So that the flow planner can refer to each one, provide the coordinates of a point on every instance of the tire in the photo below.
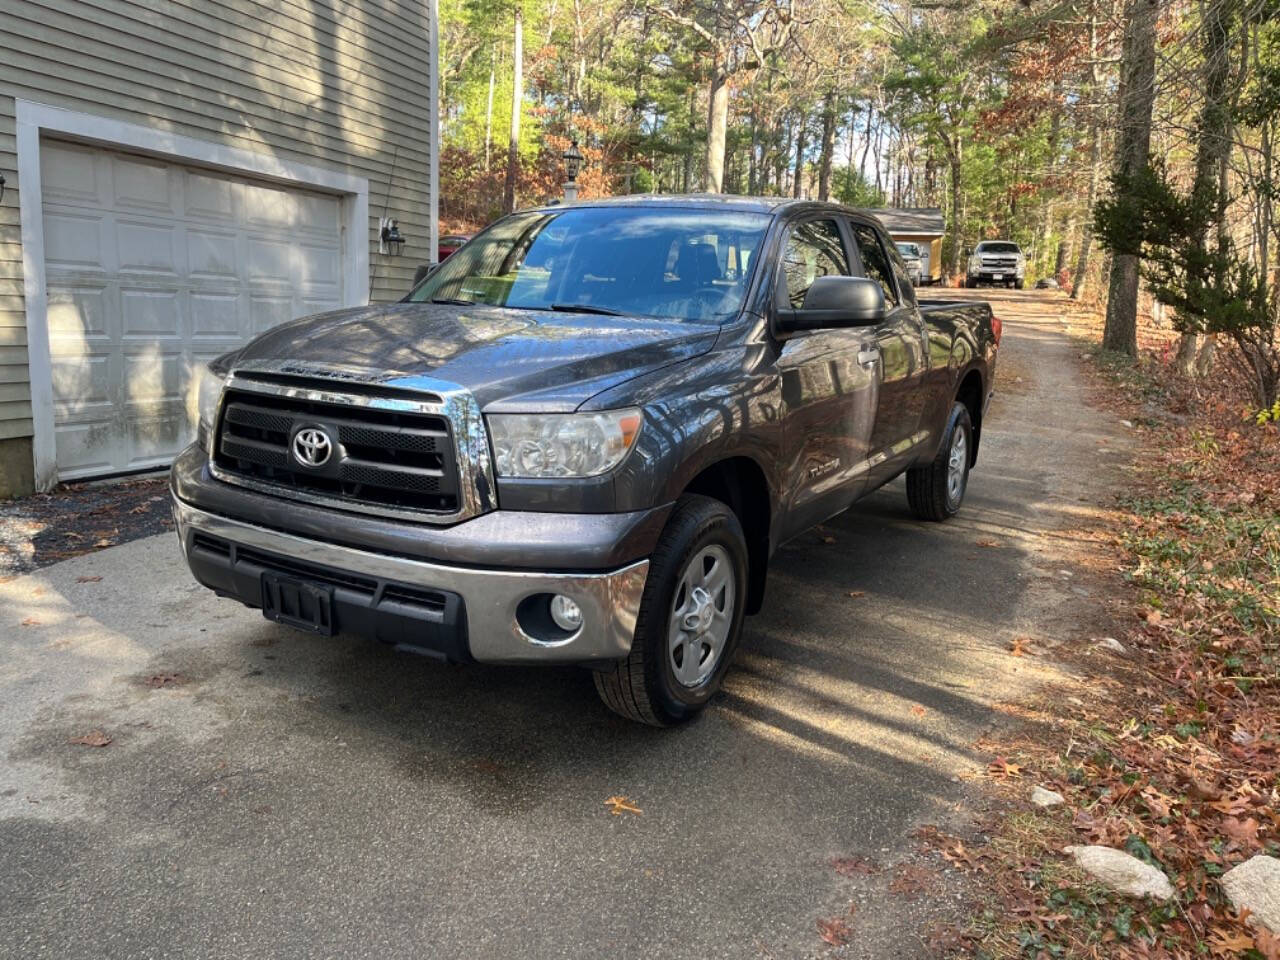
(1018, 284)
(931, 494)
(658, 683)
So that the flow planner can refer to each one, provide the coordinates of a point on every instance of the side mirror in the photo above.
(833, 302)
(420, 274)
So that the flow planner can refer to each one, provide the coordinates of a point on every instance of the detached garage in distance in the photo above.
(923, 226)
(202, 175)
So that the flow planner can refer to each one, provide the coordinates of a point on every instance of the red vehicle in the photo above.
(449, 245)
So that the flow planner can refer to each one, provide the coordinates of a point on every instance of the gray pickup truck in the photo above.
(582, 437)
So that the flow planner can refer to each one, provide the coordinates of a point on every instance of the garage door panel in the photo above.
(149, 314)
(140, 184)
(209, 199)
(266, 312)
(152, 268)
(211, 255)
(84, 449)
(83, 386)
(75, 241)
(76, 314)
(153, 439)
(215, 315)
(72, 175)
(147, 247)
(152, 377)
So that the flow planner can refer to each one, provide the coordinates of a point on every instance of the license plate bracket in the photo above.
(298, 603)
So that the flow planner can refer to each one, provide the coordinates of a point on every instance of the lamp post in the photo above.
(572, 166)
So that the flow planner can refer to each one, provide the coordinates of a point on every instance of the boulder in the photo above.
(1255, 886)
(1043, 797)
(1123, 873)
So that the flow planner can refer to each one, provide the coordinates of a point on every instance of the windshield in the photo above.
(909, 250)
(1000, 246)
(643, 262)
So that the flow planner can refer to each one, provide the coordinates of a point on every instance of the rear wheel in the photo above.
(935, 491)
(690, 618)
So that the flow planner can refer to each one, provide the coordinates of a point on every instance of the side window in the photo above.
(875, 261)
(813, 250)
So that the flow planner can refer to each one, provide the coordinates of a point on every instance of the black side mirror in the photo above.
(420, 274)
(837, 302)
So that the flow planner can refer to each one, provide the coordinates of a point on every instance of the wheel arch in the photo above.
(740, 483)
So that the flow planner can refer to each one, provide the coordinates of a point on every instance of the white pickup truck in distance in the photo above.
(996, 261)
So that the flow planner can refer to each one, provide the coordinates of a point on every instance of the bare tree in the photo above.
(517, 95)
(739, 35)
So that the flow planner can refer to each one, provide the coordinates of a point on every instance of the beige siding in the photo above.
(334, 83)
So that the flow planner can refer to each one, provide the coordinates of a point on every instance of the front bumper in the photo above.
(471, 612)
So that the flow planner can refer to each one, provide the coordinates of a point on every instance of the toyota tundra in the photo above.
(582, 437)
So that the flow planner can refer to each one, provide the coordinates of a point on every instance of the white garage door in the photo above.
(153, 267)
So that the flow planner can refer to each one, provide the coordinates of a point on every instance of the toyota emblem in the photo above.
(312, 447)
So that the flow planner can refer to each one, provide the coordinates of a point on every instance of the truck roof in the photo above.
(704, 201)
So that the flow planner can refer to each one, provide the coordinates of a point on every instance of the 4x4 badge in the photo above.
(312, 447)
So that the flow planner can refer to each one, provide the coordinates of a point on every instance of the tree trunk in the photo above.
(717, 125)
(517, 95)
(797, 184)
(866, 144)
(488, 113)
(1213, 148)
(1095, 163)
(828, 147)
(955, 157)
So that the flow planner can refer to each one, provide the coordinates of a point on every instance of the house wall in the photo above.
(327, 83)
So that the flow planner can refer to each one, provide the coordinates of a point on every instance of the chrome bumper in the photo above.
(610, 601)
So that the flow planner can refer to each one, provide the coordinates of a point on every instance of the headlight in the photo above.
(975, 263)
(202, 402)
(561, 444)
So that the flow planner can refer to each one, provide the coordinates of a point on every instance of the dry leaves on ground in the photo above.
(618, 805)
(94, 738)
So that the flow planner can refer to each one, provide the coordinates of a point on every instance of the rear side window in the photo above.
(813, 250)
(875, 261)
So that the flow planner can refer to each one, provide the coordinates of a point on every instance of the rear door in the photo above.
(902, 364)
(828, 394)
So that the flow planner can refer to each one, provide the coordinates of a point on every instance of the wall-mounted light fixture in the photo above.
(390, 240)
(572, 167)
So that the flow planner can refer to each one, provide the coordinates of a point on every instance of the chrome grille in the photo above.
(390, 458)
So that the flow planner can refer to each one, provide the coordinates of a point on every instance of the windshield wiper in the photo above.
(455, 301)
(586, 308)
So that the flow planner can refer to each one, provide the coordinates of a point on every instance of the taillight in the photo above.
(997, 328)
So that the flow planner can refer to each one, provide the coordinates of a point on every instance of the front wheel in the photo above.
(935, 491)
(1017, 284)
(690, 618)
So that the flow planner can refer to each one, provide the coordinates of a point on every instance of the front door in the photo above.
(902, 363)
(828, 387)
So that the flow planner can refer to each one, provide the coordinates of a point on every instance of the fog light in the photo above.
(566, 614)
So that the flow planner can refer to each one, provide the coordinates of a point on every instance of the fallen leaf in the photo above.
(834, 930)
(158, 680)
(1019, 646)
(918, 710)
(853, 866)
(94, 738)
(617, 805)
(30, 622)
(995, 544)
(910, 881)
(88, 579)
(1003, 768)
(104, 542)
(857, 593)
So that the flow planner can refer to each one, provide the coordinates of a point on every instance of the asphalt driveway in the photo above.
(271, 794)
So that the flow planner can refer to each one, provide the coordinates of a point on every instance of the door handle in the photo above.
(868, 358)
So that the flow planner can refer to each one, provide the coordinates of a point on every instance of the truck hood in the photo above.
(509, 359)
